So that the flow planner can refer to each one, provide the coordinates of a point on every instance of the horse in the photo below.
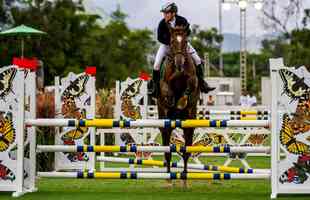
(179, 91)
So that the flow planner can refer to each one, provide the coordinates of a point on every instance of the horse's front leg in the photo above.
(188, 136)
(165, 135)
(192, 85)
(167, 94)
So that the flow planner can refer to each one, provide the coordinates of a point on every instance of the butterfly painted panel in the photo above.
(6, 82)
(294, 169)
(131, 100)
(7, 132)
(129, 106)
(11, 80)
(75, 103)
(288, 140)
(76, 87)
(6, 174)
(299, 172)
(294, 86)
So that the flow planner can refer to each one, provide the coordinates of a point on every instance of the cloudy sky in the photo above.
(145, 13)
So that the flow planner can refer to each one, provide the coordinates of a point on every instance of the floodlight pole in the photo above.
(221, 64)
(243, 50)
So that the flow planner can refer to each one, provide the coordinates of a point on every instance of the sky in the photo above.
(145, 14)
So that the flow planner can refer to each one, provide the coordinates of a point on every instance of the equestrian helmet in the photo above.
(169, 7)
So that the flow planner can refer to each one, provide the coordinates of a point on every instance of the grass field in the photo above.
(91, 189)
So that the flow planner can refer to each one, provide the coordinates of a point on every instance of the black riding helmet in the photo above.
(169, 7)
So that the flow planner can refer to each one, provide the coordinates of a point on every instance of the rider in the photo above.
(169, 11)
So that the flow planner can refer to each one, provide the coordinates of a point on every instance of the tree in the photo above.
(298, 51)
(295, 50)
(207, 41)
(123, 51)
(75, 40)
(67, 30)
(6, 18)
(306, 19)
(280, 15)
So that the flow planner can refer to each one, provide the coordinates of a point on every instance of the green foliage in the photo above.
(206, 41)
(297, 53)
(231, 66)
(75, 40)
(295, 49)
(306, 18)
(124, 51)
(261, 66)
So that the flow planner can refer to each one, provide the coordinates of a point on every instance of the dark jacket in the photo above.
(163, 34)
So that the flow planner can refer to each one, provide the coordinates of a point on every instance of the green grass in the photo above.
(91, 189)
(138, 189)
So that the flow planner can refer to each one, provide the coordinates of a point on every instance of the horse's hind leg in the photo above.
(188, 136)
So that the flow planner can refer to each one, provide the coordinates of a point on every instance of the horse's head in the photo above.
(178, 46)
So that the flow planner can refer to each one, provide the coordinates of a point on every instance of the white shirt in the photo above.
(252, 101)
(244, 100)
(172, 23)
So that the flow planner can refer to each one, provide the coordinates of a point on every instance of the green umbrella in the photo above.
(22, 31)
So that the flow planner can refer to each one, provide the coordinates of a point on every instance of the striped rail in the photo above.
(159, 163)
(167, 149)
(135, 175)
(164, 123)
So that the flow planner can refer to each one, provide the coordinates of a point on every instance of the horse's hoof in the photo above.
(186, 185)
(171, 102)
(168, 184)
(182, 103)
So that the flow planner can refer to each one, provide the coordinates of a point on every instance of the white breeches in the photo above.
(164, 50)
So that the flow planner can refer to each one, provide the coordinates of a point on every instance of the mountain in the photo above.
(232, 43)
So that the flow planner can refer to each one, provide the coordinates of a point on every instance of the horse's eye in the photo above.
(179, 38)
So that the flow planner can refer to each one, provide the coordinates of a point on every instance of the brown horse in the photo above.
(179, 91)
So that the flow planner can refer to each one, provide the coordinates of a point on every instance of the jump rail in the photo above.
(134, 148)
(135, 175)
(164, 123)
(181, 165)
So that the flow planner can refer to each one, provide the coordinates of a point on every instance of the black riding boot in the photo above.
(203, 85)
(153, 85)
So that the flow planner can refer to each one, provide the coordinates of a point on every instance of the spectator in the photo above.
(40, 76)
(244, 99)
(210, 101)
(252, 101)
